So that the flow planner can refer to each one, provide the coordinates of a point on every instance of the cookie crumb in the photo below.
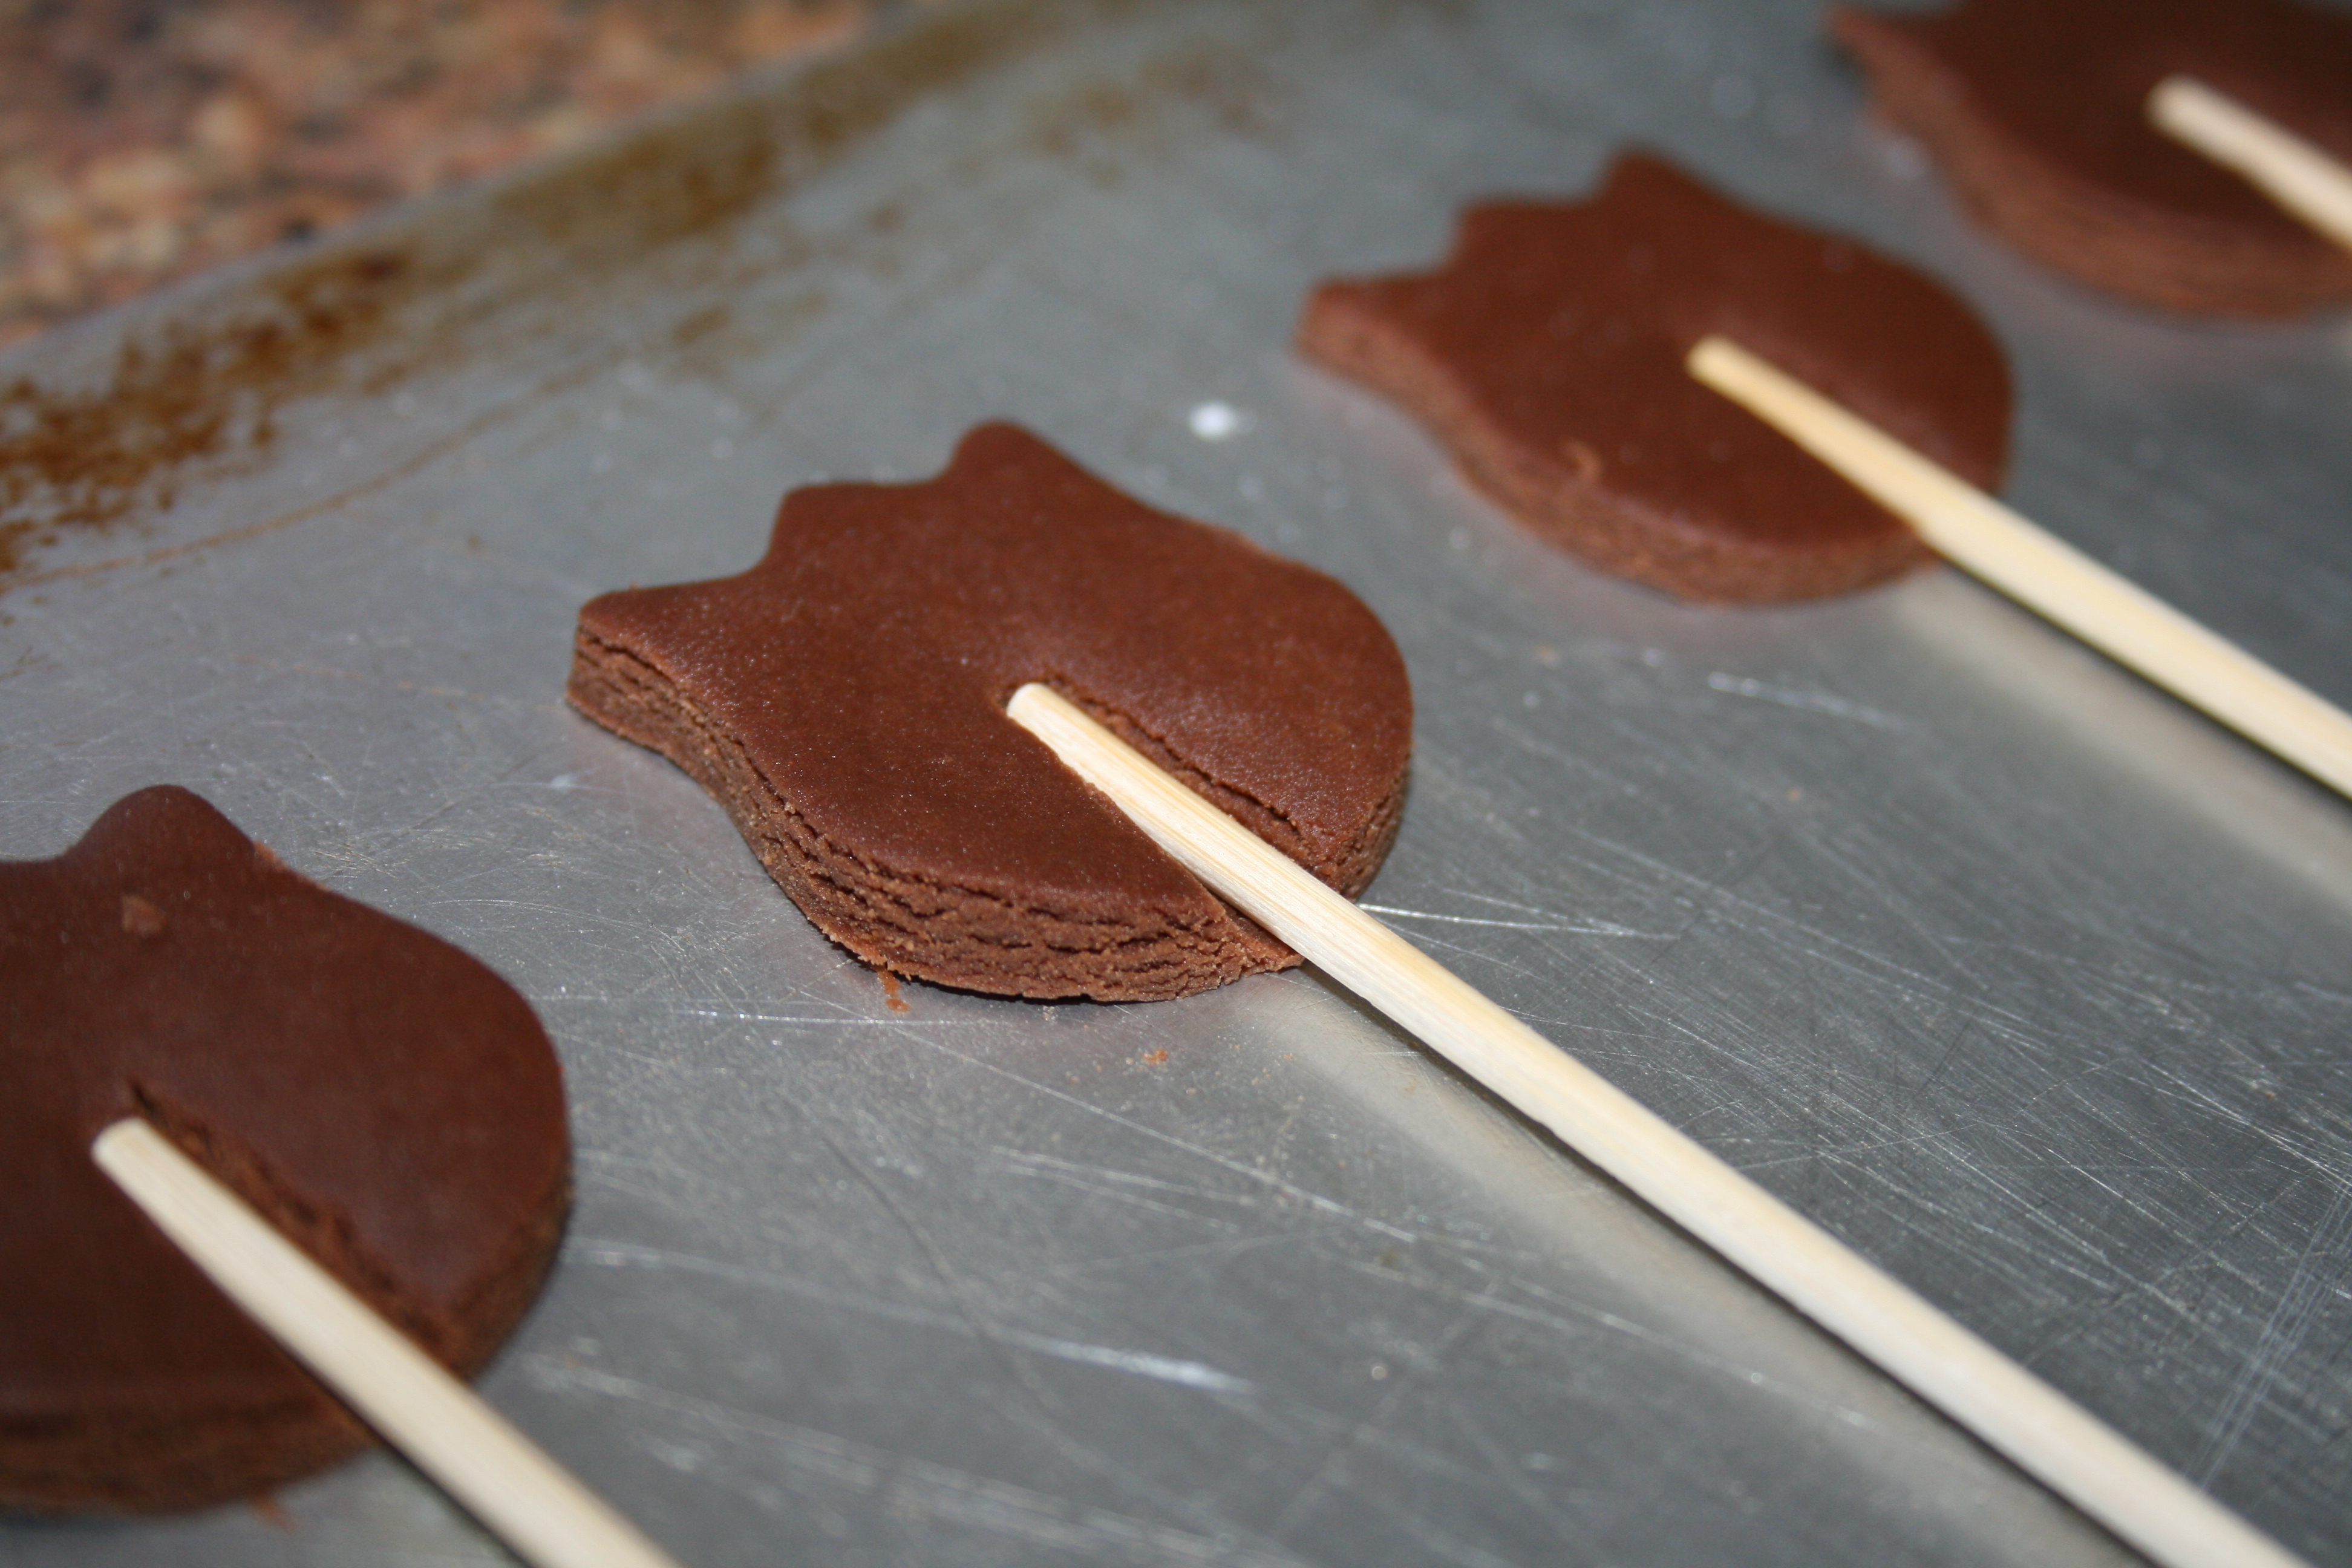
(141, 917)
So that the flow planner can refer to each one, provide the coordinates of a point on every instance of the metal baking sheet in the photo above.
(2022, 979)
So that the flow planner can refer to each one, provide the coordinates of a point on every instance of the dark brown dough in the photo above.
(1548, 354)
(845, 701)
(388, 1101)
(2037, 110)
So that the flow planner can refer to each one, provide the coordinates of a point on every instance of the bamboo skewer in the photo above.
(532, 1503)
(2046, 1435)
(2045, 574)
(2309, 183)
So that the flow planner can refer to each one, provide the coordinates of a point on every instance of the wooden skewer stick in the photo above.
(530, 1502)
(2309, 183)
(2044, 1433)
(2045, 574)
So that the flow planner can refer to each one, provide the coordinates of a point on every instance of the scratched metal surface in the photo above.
(2019, 978)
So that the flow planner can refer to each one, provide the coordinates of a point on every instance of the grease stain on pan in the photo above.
(199, 397)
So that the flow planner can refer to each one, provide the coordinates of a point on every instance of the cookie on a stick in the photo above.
(1547, 353)
(1557, 338)
(845, 701)
(2039, 112)
(175, 995)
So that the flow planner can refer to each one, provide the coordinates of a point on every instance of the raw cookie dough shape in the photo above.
(1548, 354)
(388, 1101)
(845, 701)
(2037, 112)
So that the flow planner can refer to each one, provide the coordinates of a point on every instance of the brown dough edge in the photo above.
(1607, 531)
(128, 1459)
(2072, 225)
(963, 937)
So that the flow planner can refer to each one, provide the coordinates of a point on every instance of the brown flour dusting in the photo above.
(187, 400)
(182, 402)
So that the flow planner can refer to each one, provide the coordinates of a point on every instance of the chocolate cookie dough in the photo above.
(1548, 354)
(384, 1099)
(845, 701)
(2037, 112)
